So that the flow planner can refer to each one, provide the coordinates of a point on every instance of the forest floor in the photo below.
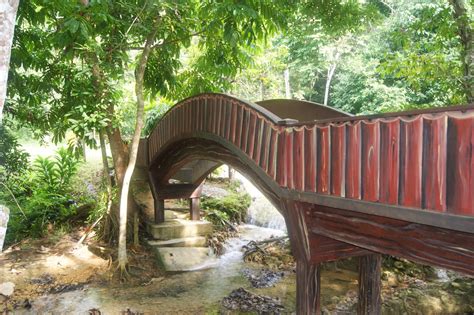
(54, 265)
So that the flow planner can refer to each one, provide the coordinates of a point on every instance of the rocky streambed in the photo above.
(71, 280)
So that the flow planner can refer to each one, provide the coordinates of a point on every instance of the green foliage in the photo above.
(359, 90)
(423, 53)
(72, 64)
(43, 195)
(13, 160)
(154, 114)
(231, 208)
(387, 55)
(403, 267)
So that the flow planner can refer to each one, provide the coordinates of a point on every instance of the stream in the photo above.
(197, 292)
(202, 291)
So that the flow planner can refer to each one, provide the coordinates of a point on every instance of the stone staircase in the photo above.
(180, 244)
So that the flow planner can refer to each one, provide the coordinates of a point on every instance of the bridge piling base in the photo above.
(159, 210)
(194, 209)
(308, 288)
(370, 285)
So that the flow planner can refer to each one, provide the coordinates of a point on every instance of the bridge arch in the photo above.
(208, 148)
(399, 184)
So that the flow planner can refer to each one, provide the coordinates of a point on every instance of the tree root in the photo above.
(121, 271)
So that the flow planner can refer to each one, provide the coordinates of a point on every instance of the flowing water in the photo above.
(261, 212)
(201, 292)
(197, 292)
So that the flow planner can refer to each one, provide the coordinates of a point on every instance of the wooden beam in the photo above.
(327, 249)
(422, 243)
(176, 191)
(370, 285)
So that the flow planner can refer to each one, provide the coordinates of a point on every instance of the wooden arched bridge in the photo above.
(400, 184)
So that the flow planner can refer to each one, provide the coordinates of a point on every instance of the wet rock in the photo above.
(263, 278)
(45, 279)
(67, 288)
(26, 304)
(243, 300)
(130, 312)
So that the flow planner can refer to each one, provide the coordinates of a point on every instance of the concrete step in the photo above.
(185, 258)
(196, 241)
(178, 228)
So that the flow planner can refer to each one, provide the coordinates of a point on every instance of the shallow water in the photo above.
(197, 292)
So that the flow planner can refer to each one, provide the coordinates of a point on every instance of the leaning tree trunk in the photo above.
(465, 31)
(8, 10)
(139, 75)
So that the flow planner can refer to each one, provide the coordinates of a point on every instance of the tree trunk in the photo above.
(119, 153)
(331, 70)
(287, 84)
(465, 31)
(108, 183)
(84, 153)
(8, 10)
(262, 90)
(139, 75)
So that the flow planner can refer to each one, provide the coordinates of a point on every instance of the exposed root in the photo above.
(122, 271)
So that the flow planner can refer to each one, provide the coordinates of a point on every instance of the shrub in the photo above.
(232, 208)
(41, 197)
(13, 160)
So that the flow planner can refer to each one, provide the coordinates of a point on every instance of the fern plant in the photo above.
(55, 174)
(46, 196)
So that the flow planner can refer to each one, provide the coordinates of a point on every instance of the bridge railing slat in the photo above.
(338, 158)
(389, 161)
(323, 159)
(411, 146)
(370, 158)
(310, 159)
(353, 161)
(434, 163)
(460, 166)
(299, 163)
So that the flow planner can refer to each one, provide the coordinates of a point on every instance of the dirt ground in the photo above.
(51, 265)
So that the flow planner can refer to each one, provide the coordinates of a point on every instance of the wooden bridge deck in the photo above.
(400, 184)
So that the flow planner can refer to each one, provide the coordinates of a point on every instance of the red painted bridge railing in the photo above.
(422, 160)
(400, 184)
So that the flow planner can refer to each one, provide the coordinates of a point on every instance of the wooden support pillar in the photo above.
(194, 209)
(308, 288)
(307, 272)
(159, 210)
(370, 284)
